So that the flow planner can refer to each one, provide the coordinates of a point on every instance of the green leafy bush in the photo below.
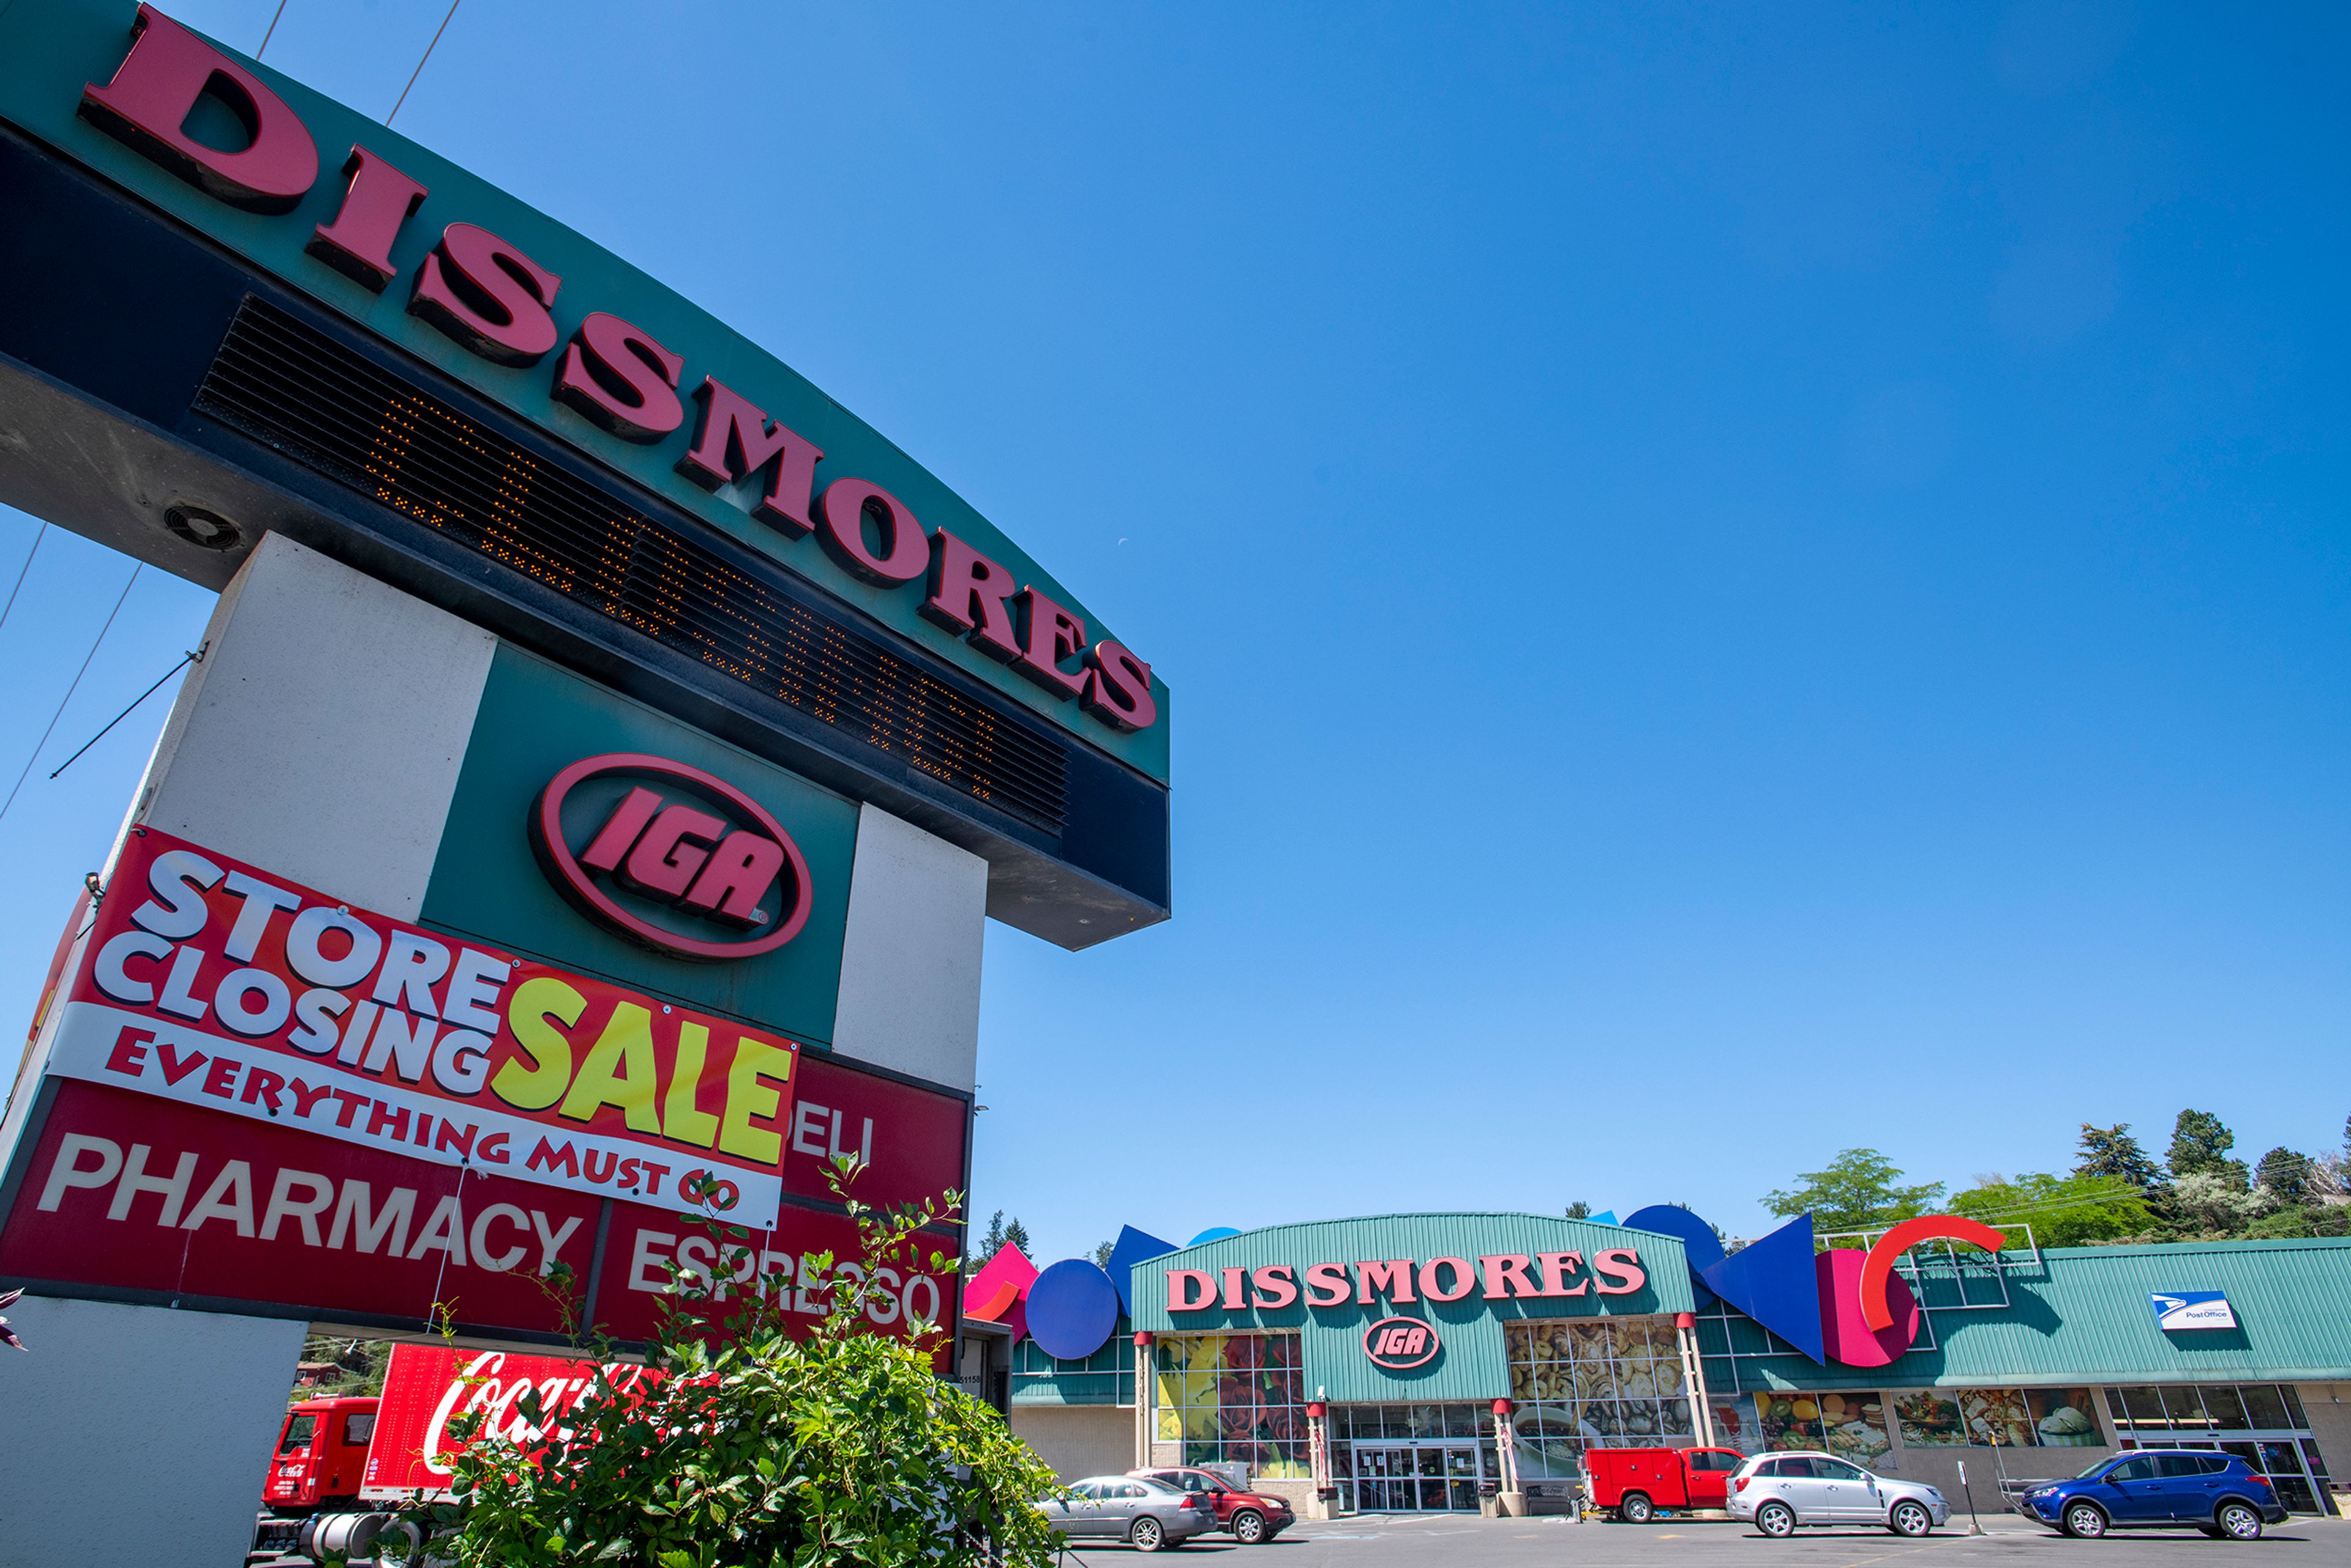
(754, 1449)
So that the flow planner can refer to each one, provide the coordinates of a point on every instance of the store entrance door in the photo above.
(1416, 1477)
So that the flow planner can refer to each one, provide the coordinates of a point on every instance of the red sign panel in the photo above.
(214, 984)
(428, 1386)
(911, 1139)
(134, 1194)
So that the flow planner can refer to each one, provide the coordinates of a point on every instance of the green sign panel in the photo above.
(537, 720)
(50, 51)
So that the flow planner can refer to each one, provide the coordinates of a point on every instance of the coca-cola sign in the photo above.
(670, 857)
(429, 1389)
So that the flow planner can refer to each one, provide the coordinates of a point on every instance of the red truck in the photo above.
(321, 1455)
(1634, 1483)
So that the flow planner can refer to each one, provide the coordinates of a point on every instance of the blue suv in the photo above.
(2217, 1493)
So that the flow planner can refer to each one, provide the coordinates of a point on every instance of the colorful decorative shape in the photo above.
(1876, 1310)
(1774, 1281)
(1214, 1233)
(1845, 1335)
(1073, 1307)
(1000, 1286)
(1133, 1247)
(1605, 1217)
(1700, 1245)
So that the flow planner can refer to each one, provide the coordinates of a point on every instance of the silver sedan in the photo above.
(1780, 1491)
(1147, 1515)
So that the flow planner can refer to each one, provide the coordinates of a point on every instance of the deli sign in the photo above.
(670, 857)
(220, 986)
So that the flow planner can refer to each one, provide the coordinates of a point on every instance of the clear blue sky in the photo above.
(1738, 582)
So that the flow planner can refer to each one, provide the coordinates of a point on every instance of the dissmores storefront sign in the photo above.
(485, 295)
(1507, 1276)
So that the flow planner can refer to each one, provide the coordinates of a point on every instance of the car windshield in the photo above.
(2097, 1467)
(297, 1432)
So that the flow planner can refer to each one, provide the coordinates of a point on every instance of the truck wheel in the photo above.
(1911, 1518)
(1249, 1527)
(2084, 1520)
(1776, 1520)
(1634, 1509)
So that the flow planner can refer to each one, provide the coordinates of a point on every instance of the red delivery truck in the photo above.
(340, 1461)
(1634, 1483)
(322, 1451)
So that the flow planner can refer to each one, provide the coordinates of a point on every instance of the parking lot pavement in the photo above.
(1391, 1541)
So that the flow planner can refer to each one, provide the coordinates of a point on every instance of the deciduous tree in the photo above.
(1860, 1190)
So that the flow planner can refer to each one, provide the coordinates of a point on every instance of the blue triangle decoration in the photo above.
(1607, 1216)
(1775, 1281)
(1134, 1247)
(1700, 1246)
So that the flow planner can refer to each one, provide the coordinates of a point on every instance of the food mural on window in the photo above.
(1584, 1383)
(1235, 1397)
(1851, 1424)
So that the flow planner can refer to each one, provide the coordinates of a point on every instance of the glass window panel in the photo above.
(2311, 1457)
(2184, 1403)
(2065, 1417)
(2141, 1406)
(2264, 1408)
(2294, 1418)
(2224, 1409)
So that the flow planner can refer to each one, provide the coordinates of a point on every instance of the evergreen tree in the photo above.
(1000, 1236)
(2201, 1143)
(2112, 1152)
(1580, 1210)
(2286, 1174)
(1103, 1249)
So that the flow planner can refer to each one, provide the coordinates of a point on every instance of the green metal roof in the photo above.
(2085, 1315)
(2078, 1315)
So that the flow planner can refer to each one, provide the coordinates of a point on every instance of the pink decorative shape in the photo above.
(1000, 1291)
(1845, 1334)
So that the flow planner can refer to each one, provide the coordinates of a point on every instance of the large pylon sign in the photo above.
(607, 753)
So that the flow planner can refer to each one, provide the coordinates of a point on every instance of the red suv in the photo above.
(1253, 1517)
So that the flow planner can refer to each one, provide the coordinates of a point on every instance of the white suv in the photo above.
(1781, 1492)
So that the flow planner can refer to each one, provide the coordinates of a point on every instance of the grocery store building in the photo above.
(1404, 1362)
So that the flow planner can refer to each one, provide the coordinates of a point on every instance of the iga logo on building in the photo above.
(2192, 1309)
(670, 857)
(1399, 1344)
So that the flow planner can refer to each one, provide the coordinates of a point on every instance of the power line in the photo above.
(197, 657)
(24, 569)
(273, 30)
(420, 64)
(102, 631)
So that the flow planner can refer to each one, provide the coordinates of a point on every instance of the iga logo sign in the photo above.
(1399, 1344)
(669, 856)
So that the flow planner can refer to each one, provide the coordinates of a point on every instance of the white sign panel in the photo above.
(2192, 1309)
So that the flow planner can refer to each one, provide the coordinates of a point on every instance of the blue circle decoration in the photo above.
(1699, 1243)
(1214, 1233)
(1073, 1307)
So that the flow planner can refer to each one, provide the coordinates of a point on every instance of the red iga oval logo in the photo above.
(1399, 1344)
(670, 855)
